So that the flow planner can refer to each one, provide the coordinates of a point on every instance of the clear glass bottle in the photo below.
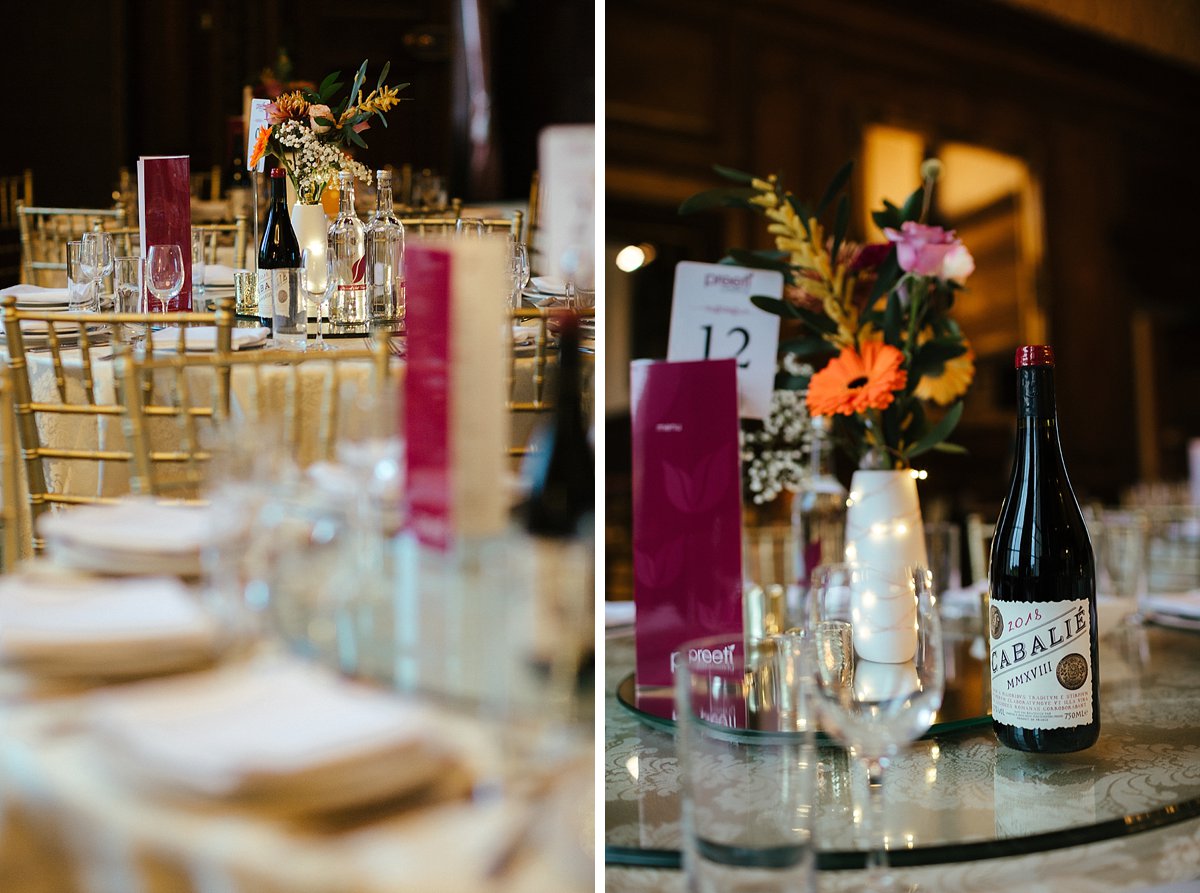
(347, 256)
(385, 257)
(818, 512)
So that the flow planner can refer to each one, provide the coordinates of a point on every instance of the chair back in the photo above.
(223, 242)
(299, 392)
(44, 234)
(10, 477)
(15, 189)
(535, 400)
(442, 225)
(72, 454)
(533, 222)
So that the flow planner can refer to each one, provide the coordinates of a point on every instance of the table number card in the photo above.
(687, 509)
(454, 390)
(258, 120)
(712, 318)
(165, 213)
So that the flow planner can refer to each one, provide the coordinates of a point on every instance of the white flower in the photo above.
(958, 264)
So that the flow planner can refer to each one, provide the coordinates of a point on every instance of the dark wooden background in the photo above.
(789, 85)
(93, 85)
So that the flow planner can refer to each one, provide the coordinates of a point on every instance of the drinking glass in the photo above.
(164, 273)
(96, 260)
(874, 708)
(1119, 539)
(316, 278)
(747, 770)
(79, 288)
(469, 227)
(518, 270)
(198, 262)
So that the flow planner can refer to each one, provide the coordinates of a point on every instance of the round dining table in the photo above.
(961, 811)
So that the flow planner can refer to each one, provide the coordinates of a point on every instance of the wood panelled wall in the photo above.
(789, 85)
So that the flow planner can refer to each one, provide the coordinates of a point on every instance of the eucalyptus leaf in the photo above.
(839, 226)
(912, 207)
(890, 216)
(931, 357)
(954, 448)
(329, 84)
(736, 176)
(355, 138)
(938, 432)
(358, 81)
(885, 277)
(818, 322)
(754, 259)
(891, 320)
(387, 66)
(774, 306)
(324, 122)
(835, 185)
(728, 197)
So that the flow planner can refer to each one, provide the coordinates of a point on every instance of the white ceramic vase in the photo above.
(884, 531)
(312, 230)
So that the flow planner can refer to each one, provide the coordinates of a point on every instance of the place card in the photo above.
(712, 318)
(456, 427)
(687, 509)
(165, 213)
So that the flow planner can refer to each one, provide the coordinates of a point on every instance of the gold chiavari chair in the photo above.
(219, 238)
(64, 423)
(206, 185)
(44, 234)
(425, 226)
(301, 390)
(15, 189)
(10, 455)
(539, 318)
(533, 222)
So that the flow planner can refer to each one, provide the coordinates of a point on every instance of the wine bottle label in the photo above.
(1041, 663)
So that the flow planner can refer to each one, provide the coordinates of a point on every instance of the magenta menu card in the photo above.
(687, 508)
(165, 213)
(455, 422)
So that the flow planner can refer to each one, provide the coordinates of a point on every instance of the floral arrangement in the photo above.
(894, 366)
(773, 455)
(310, 138)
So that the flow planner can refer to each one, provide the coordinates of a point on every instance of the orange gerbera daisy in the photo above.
(855, 382)
(260, 145)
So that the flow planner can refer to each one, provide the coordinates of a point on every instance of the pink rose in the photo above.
(319, 111)
(931, 251)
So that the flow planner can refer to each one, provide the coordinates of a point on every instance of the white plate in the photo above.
(203, 339)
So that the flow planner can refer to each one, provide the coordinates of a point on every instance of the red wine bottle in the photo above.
(1042, 623)
(278, 255)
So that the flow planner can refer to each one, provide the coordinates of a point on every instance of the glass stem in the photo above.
(878, 875)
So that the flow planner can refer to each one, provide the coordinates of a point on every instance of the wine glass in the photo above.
(96, 261)
(316, 278)
(164, 273)
(873, 707)
(198, 261)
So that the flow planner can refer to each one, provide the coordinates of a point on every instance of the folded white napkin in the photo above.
(204, 338)
(1174, 604)
(549, 285)
(279, 732)
(36, 295)
(88, 626)
(619, 613)
(218, 274)
(524, 334)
